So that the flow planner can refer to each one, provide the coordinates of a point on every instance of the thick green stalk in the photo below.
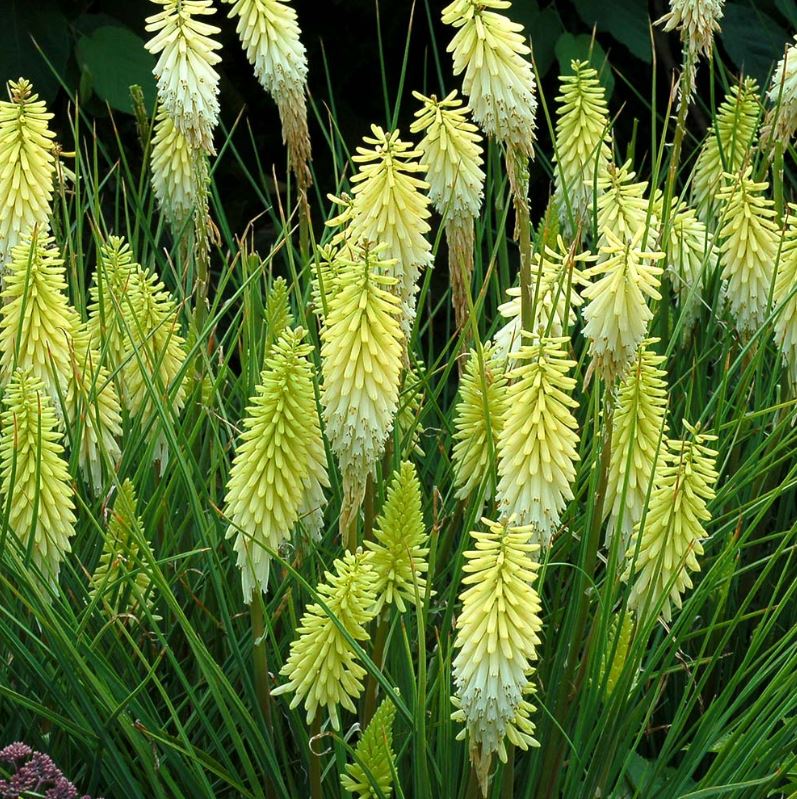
(371, 685)
(260, 663)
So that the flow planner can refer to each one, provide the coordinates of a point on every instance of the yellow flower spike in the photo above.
(398, 555)
(375, 751)
(623, 208)
(36, 487)
(37, 322)
(278, 316)
(361, 366)
(537, 446)
(785, 300)
(781, 121)
(618, 643)
(269, 32)
(26, 155)
(390, 207)
(557, 279)
(492, 53)
(272, 467)
(617, 313)
(155, 356)
(497, 639)
(173, 164)
(92, 410)
(109, 299)
(583, 145)
(638, 428)
(121, 582)
(669, 539)
(322, 669)
(478, 420)
(749, 249)
(690, 255)
(727, 145)
(452, 147)
(188, 83)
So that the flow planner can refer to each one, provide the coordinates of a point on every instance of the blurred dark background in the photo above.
(95, 49)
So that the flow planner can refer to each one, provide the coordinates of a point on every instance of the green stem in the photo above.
(368, 510)
(508, 785)
(371, 685)
(304, 226)
(777, 182)
(316, 791)
(260, 664)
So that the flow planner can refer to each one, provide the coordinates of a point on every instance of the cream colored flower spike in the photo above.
(273, 462)
(452, 147)
(322, 669)
(557, 279)
(782, 120)
(583, 145)
(188, 83)
(749, 249)
(399, 552)
(638, 432)
(174, 174)
(697, 21)
(479, 419)
(492, 53)
(391, 208)
(727, 145)
(270, 34)
(785, 300)
(36, 486)
(665, 548)
(497, 639)
(617, 314)
(26, 166)
(37, 322)
(537, 446)
(361, 365)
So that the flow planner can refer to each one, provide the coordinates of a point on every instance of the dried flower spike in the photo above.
(186, 74)
(322, 668)
(26, 176)
(36, 487)
(537, 444)
(667, 543)
(270, 34)
(272, 466)
(497, 639)
(398, 555)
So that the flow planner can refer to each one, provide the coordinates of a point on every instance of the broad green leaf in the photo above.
(753, 39)
(23, 23)
(115, 58)
(626, 20)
